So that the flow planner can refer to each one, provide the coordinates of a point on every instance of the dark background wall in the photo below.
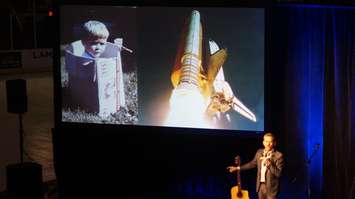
(150, 162)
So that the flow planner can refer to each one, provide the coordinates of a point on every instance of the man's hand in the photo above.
(232, 169)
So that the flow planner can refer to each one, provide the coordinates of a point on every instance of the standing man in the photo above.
(269, 163)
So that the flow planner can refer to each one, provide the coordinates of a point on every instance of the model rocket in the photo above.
(200, 92)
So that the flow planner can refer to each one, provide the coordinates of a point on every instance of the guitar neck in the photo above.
(239, 181)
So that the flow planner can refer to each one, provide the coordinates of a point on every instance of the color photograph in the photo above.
(99, 78)
(201, 67)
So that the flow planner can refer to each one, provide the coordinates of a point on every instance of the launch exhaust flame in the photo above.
(187, 109)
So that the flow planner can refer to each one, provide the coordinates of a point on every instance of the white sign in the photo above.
(37, 58)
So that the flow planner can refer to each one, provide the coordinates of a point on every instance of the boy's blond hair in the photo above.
(94, 29)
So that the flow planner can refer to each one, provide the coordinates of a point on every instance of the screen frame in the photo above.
(58, 123)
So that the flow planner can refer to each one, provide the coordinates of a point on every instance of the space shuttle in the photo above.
(191, 75)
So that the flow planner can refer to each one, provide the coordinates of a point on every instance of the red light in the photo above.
(50, 13)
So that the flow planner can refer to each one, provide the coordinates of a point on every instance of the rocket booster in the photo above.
(188, 66)
(187, 103)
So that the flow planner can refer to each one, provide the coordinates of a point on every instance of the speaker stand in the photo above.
(21, 132)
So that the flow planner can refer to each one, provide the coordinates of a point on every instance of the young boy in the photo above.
(95, 71)
(94, 38)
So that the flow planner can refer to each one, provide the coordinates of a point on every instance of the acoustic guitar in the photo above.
(236, 191)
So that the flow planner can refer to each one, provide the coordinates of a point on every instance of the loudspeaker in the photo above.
(16, 96)
(24, 180)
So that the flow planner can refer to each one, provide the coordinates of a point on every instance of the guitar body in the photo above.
(243, 193)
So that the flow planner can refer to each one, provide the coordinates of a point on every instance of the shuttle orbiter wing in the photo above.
(222, 96)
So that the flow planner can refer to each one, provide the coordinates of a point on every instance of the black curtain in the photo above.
(313, 55)
(339, 120)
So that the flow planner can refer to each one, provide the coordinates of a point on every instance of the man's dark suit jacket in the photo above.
(272, 174)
